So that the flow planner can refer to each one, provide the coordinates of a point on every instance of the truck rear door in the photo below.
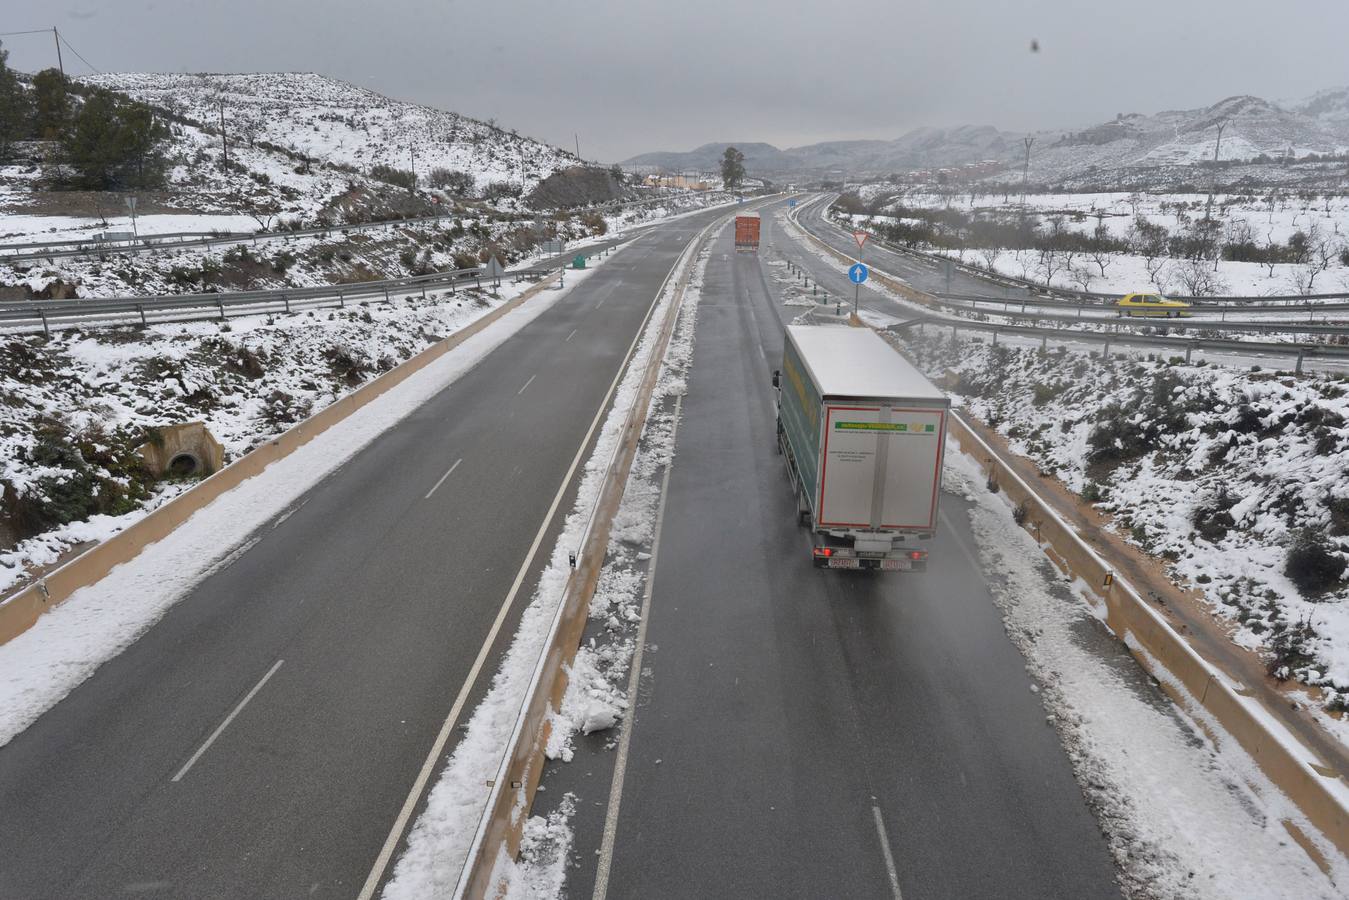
(881, 466)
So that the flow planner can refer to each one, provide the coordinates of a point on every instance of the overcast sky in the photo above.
(630, 76)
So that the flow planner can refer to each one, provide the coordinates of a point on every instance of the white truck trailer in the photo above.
(863, 433)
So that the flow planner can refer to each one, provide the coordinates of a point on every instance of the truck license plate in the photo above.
(895, 565)
(843, 562)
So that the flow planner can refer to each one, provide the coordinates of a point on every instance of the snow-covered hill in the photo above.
(1116, 150)
(335, 122)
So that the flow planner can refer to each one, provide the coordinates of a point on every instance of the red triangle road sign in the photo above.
(860, 237)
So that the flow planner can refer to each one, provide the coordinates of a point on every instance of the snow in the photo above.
(1275, 445)
(1185, 816)
(1272, 215)
(96, 623)
(439, 841)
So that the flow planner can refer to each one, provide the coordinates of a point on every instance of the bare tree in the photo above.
(1050, 263)
(1023, 261)
(1196, 279)
(1155, 266)
(990, 255)
(1081, 276)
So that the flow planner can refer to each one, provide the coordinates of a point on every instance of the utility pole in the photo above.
(224, 141)
(1025, 173)
(412, 149)
(59, 64)
(577, 138)
(1217, 145)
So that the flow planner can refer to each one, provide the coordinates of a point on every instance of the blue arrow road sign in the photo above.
(858, 273)
(791, 202)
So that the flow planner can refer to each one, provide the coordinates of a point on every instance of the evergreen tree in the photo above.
(732, 168)
(16, 112)
(51, 97)
(111, 144)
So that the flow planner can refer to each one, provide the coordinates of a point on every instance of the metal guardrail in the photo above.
(1281, 326)
(1205, 304)
(89, 248)
(1189, 345)
(67, 314)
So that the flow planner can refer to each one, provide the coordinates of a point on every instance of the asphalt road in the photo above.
(793, 725)
(331, 650)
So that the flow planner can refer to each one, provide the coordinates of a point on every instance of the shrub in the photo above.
(1312, 564)
(1091, 492)
(1213, 519)
(465, 260)
(282, 261)
(460, 184)
(1021, 512)
(390, 175)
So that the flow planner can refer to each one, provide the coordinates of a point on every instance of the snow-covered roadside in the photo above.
(1219, 472)
(1184, 817)
(440, 839)
(96, 623)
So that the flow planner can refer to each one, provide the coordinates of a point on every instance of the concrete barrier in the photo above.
(20, 610)
(1194, 683)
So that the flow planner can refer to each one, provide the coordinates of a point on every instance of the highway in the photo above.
(806, 733)
(260, 739)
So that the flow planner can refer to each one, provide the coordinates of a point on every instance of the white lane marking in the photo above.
(572, 335)
(288, 513)
(634, 677)
(526, 384)
(447, 474)
(228, 719)
(419, 785)
(960, 542)
(601, 303)
(885, 850)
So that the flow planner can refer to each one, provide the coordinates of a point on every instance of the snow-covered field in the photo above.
(1264, 216)
(1219, 472)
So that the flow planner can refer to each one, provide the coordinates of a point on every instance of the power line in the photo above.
(81, 58)
(34, 31)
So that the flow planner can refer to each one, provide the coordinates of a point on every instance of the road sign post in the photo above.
(857, 274)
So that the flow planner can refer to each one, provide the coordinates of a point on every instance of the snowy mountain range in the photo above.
(1252, 127)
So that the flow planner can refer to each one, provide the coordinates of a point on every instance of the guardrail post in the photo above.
(46, 332)
(1300, 355)
(386, 294)
(220, 302)
(341, 300)
(1044, 342)
(1105, 353)
(1189, 348)
(140, 308)
(286, 301)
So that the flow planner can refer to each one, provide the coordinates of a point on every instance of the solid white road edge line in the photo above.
(634, 677)
(447, 474)
(228, 719)
(572, 335)
(419, 785)
(960, 542)
(885, 850)
(527, 384)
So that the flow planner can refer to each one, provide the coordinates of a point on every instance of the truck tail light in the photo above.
(824, 551)
(917, 554)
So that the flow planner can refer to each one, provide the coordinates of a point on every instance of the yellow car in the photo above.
(1151, 305)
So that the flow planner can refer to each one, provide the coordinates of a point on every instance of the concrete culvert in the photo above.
(184, 465)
